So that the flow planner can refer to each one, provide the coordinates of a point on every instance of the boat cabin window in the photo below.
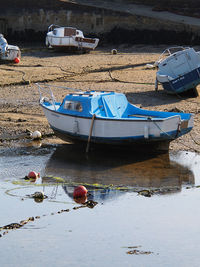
(69, 31)
(73, 105)
(55, 32)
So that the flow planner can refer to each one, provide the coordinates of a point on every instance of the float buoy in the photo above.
(39, 197)
(80, 200)
(80, 191)
(16, 60)
(33, 175)
(114, 51)
(36, 135)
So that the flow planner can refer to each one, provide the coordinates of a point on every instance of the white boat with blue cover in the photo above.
(179, 71)
(108, 118)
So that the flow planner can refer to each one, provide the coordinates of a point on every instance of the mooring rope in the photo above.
(182, 143)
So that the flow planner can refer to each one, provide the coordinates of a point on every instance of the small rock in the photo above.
(145, 193)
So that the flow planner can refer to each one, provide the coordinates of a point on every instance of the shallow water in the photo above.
(125, 228)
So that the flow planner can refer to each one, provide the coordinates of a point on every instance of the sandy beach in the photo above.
(99, 70)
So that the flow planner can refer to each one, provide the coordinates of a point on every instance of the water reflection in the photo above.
(190, 160)
(118, 168)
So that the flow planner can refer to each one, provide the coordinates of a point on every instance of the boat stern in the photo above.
(186, 125)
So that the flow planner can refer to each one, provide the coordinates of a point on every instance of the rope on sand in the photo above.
(117, 80)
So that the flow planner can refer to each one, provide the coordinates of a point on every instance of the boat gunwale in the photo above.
(130, 119)
(72, 37)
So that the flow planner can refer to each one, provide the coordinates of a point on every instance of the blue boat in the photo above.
(107, 118)
(179, 71)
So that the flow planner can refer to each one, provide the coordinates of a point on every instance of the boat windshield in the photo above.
(73, 105)
(171, 50)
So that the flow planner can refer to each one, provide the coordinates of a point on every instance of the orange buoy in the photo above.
(80, 191)
(16, 60)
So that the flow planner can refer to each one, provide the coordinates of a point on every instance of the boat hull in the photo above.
(183, 83)
(126, 132)
(102, 143)
(12, 53)
(71, 43)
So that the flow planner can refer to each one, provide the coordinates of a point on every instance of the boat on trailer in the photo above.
(107, 118)
(69, 38)
(178, 70)
(9, 52)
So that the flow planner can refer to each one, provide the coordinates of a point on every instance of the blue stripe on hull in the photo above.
(183, 83)
(120, 140)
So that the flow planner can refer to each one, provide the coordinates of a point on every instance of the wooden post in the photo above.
(89, 137)
(156, 85)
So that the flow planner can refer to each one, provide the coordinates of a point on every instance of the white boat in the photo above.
(178, 70)
(9, 52)
(69, 38)
(108, 118)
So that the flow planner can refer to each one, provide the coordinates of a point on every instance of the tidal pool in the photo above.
(125, 228)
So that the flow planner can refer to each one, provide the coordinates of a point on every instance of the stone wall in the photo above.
(30, 24)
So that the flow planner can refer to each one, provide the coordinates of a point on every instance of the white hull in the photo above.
(112, 130)
(70, 42)
(11, 53)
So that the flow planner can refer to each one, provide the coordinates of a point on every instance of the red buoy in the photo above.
(80, 200)
(80, 191)
(16, 60)
(33, 175)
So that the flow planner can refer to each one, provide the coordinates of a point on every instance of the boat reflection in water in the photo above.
(124, 169)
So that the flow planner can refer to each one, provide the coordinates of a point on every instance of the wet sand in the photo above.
(99, 70)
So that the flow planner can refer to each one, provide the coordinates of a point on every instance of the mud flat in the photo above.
(99, 70)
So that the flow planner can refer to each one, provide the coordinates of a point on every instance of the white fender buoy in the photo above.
(150, 66)
(114, 51)
(36, 135)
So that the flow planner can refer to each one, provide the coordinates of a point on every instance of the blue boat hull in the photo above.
(183, 83)
(137, 143)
